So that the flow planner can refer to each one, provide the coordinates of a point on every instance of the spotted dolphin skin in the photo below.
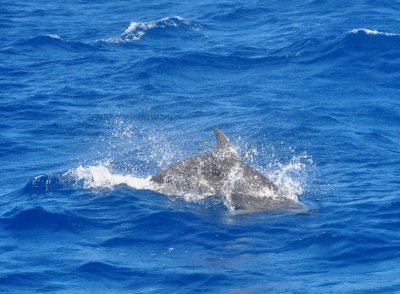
(222, 172)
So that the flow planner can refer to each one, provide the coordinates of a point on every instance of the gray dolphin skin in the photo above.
(222, 172)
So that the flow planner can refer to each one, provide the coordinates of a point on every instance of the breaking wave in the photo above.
(175, 26)
(371, 32)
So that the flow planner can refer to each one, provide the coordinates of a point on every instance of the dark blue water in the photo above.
(96, 97)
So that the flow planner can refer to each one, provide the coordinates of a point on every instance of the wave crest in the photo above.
(55, 41)
(357, 44)
(164, 27)
(38, 218)
(370, 32)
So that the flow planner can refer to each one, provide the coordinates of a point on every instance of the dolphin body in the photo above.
(222, 172)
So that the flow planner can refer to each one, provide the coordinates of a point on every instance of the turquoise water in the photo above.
(97, 97)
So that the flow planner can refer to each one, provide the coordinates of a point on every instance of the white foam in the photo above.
(371, 32)
(100, 176)
(53, 36)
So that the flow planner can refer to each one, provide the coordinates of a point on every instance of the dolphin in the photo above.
(222, 172)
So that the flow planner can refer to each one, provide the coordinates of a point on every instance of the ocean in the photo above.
(96, 97)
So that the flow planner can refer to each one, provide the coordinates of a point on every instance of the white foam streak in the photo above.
(371, 32)
(100, 176)
(53, 36)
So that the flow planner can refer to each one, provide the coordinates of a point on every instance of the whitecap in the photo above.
(54, 36)
(136, 30)
(371, 32)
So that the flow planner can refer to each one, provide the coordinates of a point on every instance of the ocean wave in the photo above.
(101, 268)
(357, 44)
(175, 26)
(142, 278)
(52, 41)
(47, 183)
(363, 44)
(240, 13)
(211, 61)
(40, 219)
(370, 39)
(30, 279)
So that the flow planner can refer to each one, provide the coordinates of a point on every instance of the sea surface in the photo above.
(97, 96)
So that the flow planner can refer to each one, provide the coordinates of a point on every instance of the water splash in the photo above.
(150, 152)
(290, 177)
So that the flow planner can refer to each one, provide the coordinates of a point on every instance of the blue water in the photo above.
(97, 96)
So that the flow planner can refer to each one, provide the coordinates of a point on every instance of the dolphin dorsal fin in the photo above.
(224, 147)
(222, 140)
